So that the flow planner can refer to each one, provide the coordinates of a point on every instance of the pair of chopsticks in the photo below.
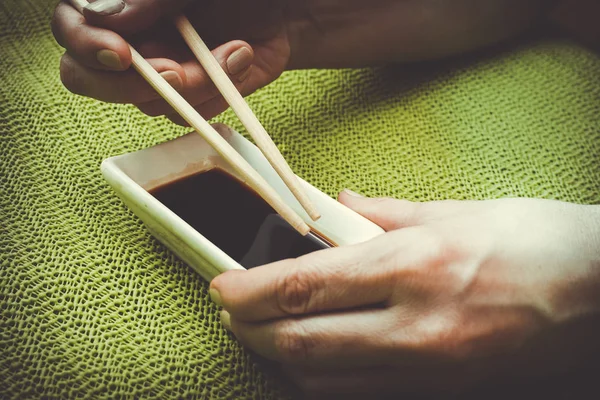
(244, 113)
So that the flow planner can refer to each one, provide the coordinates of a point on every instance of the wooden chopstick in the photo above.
(244, 113)
(192, 117)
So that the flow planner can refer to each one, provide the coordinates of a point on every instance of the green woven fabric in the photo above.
(91, 305)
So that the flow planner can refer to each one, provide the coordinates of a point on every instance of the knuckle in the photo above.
(70, 76)
(431, 242)
(438, 244)
(295, 294)
(412, 211)
(292, 344)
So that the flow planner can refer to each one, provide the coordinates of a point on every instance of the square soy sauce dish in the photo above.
(193, 202)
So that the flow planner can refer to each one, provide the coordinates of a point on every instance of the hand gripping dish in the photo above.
(133, 175)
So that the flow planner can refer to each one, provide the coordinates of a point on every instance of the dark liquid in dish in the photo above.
(235, 219)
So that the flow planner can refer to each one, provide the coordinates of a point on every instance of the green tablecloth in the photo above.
(91, 304)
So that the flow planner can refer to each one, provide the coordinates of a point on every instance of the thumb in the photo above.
(129, 16)
(388, 213)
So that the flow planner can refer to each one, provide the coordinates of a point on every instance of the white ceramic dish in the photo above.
(132, 175)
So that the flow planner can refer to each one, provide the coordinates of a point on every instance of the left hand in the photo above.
(255, 41)
(248, 39)
(450, 294)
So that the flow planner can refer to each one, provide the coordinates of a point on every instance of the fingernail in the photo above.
(106, 7)
(242, 77)
(353, 193)
(173, 78)
(226, 320)
(239, 60)
(215, 296)
(109, 59)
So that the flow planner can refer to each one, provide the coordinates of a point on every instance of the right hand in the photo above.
(97, 59)
(453, 294)
(255, 41)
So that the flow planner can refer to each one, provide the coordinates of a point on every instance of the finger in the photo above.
(325, 280)
(131, 16)
(388, 213)
(117, 87)
(208, 110)
(393, 214)
(212, 108)
(178, 119)
(89, 45)
(236, 60)
(344, 340)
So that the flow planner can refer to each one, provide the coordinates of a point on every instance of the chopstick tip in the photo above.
(314, 215)
(303, 229)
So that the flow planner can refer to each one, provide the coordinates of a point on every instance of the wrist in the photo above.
(571, 295)
(576, 292)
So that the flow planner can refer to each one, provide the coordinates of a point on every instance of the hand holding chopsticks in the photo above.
(234, 98)
(244, 113)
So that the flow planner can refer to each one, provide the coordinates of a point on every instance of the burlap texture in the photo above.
(91, 305)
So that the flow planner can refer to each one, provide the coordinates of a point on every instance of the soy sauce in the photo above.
(234, 218)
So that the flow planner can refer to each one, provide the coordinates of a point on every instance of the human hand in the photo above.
(255, 41)
(97, 59)
(454, 292)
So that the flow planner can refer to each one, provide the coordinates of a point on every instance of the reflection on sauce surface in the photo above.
(235, 219)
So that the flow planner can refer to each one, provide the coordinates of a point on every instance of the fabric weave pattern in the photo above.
(92, 306)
